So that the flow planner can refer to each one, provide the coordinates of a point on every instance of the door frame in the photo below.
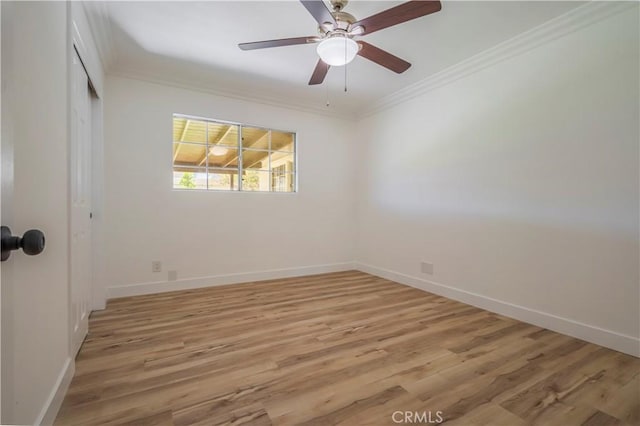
(80, 292)
(82, 42)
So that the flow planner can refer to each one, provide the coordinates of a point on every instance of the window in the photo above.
(216, 155)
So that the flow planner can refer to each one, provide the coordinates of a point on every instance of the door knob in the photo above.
(32, 242)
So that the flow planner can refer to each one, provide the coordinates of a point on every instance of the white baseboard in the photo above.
(217, 280)
(610, 339)
(50, 410)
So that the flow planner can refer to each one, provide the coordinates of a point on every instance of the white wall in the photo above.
(35, 195)
(203, 235)
(520, 184)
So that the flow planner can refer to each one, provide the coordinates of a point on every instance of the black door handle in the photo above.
(32, 242)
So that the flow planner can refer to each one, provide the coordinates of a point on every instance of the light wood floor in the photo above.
(343, 348)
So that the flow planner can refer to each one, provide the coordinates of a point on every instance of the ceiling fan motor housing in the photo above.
(343, 19)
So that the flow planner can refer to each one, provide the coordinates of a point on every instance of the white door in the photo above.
(80, 176)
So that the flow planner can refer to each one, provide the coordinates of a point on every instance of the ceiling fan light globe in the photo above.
(337, 51)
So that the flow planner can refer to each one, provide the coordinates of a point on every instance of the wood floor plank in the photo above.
(345, 348)
(488, 414)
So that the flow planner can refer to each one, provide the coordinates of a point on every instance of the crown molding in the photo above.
(201, 88)
(98, 17)
(574, 20)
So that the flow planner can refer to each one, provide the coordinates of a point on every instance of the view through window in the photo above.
(216, 155)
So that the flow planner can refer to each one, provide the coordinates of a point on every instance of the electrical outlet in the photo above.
(156, 266)
(426, 268)
(172, 275)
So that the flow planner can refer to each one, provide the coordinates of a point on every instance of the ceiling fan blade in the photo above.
(319, 11)
(397, 15)
(278, 42)
(319, 73)
(380, 57)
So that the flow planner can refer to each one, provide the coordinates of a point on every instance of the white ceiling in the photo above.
(195, 43)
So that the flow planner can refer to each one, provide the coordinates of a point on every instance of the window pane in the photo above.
(223, 179)
(284, 159)
(256, 138)
(282, 181)
(223, 134)
(255, 159)
(282, 141)
(222, 157)
(189, 154)
(178, 127)
(189, 178)
(255, 180)
(189, 130)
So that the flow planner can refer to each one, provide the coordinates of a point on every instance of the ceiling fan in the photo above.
(337, 30)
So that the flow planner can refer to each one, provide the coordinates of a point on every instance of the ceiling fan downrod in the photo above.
(338, 5)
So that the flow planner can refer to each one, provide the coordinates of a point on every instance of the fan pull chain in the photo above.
(327, 95)
(345, 65)
(345, 79)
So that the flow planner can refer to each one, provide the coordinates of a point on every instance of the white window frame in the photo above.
(240, 149)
